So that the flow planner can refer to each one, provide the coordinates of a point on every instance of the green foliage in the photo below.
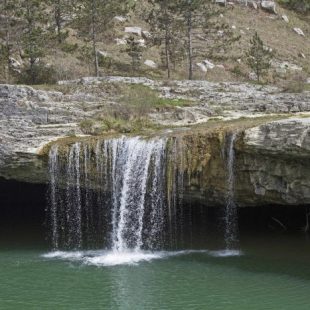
(302, 6)
(94, 18)
(33, 39)
(105, 62)
(36, 74)
(69, 48)
(166, 29)
(87, 126)
(143, 99)
(134, 50)
(259, 57)
(111, 124)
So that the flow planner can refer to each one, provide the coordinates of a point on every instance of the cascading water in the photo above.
(125, 195)
(118, 186)
(231, 217)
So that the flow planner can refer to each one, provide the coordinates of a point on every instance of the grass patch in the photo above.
(144, 97)
(110, 124)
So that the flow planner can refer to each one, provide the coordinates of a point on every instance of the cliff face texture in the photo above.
(270, 160)
(273, 165)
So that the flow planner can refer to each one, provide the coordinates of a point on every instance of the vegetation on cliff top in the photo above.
(45, 41)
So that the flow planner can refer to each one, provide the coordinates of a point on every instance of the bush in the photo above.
(141, 100)
(302, 6)
(37, 74)
(69, 48)
(87, 127)
(295, 83)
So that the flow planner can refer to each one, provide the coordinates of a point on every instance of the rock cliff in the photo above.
(272, 156)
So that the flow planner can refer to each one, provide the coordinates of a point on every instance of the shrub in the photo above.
(69, 48)
(87, 127)
(295, 83)
(38, 74)
(302, 6)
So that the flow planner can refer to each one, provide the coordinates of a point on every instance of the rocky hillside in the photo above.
(282, 30)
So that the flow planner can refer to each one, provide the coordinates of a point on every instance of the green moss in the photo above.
(144, 97)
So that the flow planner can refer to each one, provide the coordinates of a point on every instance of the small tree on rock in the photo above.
(259, 57)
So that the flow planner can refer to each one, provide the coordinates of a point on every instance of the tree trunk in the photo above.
(190, 47)
(58, 20)
(94, 39)
(167, 53)
(7, 43)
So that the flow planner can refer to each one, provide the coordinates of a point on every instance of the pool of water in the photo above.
(269, 271)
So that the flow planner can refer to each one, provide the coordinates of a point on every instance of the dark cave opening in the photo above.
(23, 220)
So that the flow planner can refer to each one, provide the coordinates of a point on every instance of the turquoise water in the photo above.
(273, 272)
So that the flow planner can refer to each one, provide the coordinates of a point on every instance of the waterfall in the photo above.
(116, 189)
(231, 216)
(133, 163)
(53, 192)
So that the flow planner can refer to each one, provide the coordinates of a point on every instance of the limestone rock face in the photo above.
(273, 164)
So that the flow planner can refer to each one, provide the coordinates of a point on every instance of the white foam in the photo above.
(225, 253)
(122, 258)
(115, 258)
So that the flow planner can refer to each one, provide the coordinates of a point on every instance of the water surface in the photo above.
(272, 272)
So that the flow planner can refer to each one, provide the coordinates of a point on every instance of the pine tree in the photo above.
(9, 35)
(258, 57)
(33, 37)
(201, 14)
(94, 19)
(166, 29)
(61, 8)
(134, 50)
(189, 8)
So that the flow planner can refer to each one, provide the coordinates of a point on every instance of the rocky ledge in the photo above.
(272, 159)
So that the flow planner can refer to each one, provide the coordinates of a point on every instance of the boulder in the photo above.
(209, 64)
(146, 34)
(150, 63)
(221, 2)
(269, 6)
(141, 42)
(120, 18)
(299, 31)
(254, 5)
(285, 18)
(120, 41)
(202, 67)
(134, 30)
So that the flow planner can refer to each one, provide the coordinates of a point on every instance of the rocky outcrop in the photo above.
(272, 157)
(273, 163)
(269, 6)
